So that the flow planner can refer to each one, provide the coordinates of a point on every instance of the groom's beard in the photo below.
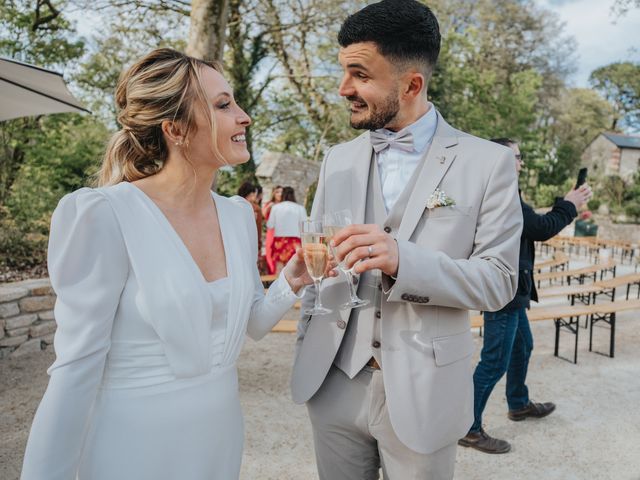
(378, 116)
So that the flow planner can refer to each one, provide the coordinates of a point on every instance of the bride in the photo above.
(157, 285)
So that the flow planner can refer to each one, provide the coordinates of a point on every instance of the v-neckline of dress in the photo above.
(178, 240)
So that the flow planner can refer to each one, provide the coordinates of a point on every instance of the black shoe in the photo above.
(533, 410)
(483, 442)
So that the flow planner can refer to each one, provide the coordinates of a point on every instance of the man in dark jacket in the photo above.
(507, 337)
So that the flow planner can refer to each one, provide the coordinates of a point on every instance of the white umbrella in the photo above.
(27, 90)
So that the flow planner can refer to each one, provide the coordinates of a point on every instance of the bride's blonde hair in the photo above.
(164, 85)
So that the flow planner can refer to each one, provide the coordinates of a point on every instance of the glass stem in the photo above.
(352, 287)
(317, 304)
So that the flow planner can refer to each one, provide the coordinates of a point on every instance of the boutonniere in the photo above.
(439, 199)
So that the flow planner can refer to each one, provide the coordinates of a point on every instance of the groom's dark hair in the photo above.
(406, 32)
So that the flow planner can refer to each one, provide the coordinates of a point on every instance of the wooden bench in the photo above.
(623, 248)
(560, 261)
(567, 317)
(587, 293)
(609, 286)
(573, 292)
(286, 326)
(579, 274)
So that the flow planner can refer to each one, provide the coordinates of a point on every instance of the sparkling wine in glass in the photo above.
(316, 258)
(332, 223)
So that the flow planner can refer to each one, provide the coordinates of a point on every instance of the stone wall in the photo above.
(601, 157)
(287, 171)
(26, 317)
(629, 163)
(625, 232)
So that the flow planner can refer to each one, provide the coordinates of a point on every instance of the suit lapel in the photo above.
(361, 155)
(440, 156)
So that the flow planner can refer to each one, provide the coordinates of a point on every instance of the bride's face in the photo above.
(230, 120)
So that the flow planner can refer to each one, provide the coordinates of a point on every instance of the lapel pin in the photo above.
(442, 159)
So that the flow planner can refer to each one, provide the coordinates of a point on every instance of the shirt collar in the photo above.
(422, 129)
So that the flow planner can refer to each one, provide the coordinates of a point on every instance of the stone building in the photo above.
(288, 171)
(613, 154)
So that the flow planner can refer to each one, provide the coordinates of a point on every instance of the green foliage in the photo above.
(501, 72)
(60, 156)
(632, 209)
(611, 190)
(594, 204)
(20, 250)
(228, 181)
(41, 158)
(631, 198)
(121, 43)
(545, 195)
(310, 195)
(619, 83)
(40, 36)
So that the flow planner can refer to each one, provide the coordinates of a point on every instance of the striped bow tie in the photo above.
(380, 141)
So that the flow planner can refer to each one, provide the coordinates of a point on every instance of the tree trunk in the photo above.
(207, 33)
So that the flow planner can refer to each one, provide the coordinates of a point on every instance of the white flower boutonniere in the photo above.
(439, 199)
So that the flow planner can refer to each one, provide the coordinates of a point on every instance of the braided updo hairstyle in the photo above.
(164, 85)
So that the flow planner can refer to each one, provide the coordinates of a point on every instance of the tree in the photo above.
(501, 71)
(41, 157)
(128, 32)
(207, 33)
(41, 35)
(619, 83)
(622, 7)
(578, 115)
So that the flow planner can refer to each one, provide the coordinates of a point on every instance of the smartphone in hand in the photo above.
(582, 177)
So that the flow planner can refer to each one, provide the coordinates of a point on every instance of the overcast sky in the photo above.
(600, 40)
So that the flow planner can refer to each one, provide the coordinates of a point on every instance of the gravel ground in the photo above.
(594, 433)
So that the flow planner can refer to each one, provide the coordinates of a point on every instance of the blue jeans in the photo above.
(507, 348)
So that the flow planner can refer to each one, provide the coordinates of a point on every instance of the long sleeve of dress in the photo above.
(88, 267)
(266, 309)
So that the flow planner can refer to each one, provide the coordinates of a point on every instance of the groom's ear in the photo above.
(415, 84)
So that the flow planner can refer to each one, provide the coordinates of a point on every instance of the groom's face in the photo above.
(371, 86)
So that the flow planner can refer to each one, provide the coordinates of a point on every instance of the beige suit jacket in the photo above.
(452, 260)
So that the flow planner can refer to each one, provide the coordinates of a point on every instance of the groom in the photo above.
(436, 232)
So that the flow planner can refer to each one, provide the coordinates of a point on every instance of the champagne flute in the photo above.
(332, 223)
(316, 258)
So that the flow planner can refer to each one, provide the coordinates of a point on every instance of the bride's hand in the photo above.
(296, 271)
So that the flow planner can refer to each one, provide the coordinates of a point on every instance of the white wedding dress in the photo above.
(144, 386)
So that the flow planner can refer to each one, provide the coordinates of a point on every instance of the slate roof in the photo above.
(623, 141)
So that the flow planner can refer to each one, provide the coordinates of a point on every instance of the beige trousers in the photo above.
(354, 438)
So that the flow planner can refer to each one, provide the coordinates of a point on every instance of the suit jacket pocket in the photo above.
(452, 348)
(450, 211)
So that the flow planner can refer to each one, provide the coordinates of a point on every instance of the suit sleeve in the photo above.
(88, 267)
(487, 280)
(543, 227)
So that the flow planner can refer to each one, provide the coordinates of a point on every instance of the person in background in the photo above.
(249, 192)
(262, 261)
(285, 218)
(276, 197)
(259, 196)
(507, 341)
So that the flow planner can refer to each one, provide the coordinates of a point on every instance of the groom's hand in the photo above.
(369, 245)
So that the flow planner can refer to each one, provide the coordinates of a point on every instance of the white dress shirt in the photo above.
(397, 166)
(285, 218)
